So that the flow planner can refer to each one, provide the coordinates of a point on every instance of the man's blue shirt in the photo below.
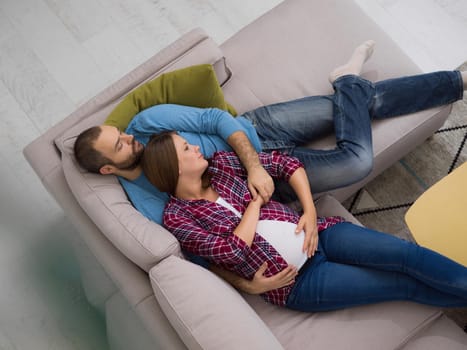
(207, 127)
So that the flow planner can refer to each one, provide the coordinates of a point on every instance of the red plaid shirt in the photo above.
(206, 228)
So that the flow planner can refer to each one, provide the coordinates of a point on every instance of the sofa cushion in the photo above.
(102, 197)
(211, 315)
(383, 326)
(192, 86)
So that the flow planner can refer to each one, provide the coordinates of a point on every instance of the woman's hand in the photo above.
(308, 223)
(246, 229)
(257, 202)
(261, 284)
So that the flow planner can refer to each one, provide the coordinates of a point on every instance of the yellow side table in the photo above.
(438, 218)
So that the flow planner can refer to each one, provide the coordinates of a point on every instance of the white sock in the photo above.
(355, 64)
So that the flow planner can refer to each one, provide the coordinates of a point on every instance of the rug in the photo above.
(383, 202)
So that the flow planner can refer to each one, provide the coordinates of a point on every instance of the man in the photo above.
(285, 126)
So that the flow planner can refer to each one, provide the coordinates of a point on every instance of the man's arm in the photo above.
(209, 121)
(259, 181)
(259, 284)
(185, 119)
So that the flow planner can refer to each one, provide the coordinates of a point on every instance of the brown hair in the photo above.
(85, 153)
(160, 162)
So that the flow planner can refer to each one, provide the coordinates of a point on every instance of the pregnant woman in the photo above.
(212, 214)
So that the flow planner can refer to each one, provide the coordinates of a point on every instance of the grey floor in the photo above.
(56, 54)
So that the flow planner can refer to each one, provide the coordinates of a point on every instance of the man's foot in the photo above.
(354, 66)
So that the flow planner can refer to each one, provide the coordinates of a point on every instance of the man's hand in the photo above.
(260, 183)
(261, 284)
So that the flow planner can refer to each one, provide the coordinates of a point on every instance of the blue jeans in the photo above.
(289, 126)
(356, 266)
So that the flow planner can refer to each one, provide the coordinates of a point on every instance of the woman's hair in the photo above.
(160, 162)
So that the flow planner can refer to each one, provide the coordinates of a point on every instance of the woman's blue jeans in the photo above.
(355, 266)
(289, 126)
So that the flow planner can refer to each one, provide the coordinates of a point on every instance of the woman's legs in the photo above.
(352, 244)
(360, 266)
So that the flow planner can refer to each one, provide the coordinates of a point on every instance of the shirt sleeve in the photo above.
(185, 119)
(149, 203)
(278, 165)
(194, 239)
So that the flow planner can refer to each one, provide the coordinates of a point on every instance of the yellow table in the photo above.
(438, 218)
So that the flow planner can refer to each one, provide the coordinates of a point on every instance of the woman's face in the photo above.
(190, 160)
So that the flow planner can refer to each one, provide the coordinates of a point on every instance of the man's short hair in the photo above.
(85, 153)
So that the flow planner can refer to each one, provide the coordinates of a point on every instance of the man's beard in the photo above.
(133, 161)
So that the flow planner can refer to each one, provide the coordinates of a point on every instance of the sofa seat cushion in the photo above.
(383, 326)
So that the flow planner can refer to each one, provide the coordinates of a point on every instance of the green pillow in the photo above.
(195, 86)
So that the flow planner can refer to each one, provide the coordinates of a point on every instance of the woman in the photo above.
(212, 214)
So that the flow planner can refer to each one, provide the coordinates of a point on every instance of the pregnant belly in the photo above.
(281, 235)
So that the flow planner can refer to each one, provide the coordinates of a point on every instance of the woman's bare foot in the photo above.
(354, 66)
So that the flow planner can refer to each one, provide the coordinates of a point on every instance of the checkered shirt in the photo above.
(206, 228)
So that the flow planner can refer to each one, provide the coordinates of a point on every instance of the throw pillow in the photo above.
(195, 86)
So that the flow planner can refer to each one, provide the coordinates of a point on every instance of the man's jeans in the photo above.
(355, 266)
(289, 126)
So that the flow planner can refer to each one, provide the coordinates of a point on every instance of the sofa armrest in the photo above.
(206, 312)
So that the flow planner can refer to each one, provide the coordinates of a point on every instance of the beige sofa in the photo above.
(133, 270)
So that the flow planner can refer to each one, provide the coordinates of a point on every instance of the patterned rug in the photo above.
(382, 203)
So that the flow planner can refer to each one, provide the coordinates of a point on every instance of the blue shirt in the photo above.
(207, 127)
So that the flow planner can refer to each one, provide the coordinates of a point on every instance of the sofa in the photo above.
(133, 270)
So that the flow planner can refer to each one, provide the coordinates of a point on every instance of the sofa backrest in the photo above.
(101, 197)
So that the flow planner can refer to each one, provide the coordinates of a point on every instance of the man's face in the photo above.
(122, 149)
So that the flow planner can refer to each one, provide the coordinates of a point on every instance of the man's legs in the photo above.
(346, 111)
(297, 122)
(355, 64)
(288, 126)
(292, 123)
(405, 95)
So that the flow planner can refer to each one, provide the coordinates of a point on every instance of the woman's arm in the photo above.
(246, 229)
(260, 283)
(277, 165)
(308, 221)
(196, 240)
